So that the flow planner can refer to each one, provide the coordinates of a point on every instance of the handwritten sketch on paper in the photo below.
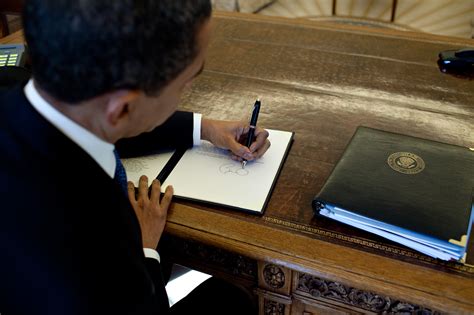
(149, 165)
(209, 174)
(231, 168)
(228, 166)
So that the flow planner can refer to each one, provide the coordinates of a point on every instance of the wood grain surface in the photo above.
(322, 82)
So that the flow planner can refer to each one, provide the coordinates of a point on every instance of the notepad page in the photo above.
(149, 165)
(208, 173)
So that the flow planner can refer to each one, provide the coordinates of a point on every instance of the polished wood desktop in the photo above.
(322, 81)
(14, 38)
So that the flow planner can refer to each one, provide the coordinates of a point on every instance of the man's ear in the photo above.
(118, 105)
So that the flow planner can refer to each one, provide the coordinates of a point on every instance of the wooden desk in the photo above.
(14, 38)
(322, 81)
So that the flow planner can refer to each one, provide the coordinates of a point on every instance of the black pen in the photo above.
(253, 125)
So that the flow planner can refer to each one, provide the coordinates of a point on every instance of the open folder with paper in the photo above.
(208, 174)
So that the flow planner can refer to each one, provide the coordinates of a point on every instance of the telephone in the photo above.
(457, 62)
(14, 65)
(12, 55)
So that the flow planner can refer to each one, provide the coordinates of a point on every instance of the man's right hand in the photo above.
(150, 211)
(226, 135)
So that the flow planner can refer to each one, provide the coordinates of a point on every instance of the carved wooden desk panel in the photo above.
(322, 82)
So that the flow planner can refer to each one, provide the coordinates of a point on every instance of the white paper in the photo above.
(208, 173)
(149, 165)
(426, 245)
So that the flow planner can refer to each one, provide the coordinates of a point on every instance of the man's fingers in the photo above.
(242, 131)
(260, 141)
(155, 191)
(131, 192)
(165, 202)
(261, 150)
(235, 157)
(238, 149)
(143, 186)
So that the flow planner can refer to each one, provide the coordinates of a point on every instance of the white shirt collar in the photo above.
(101, 151)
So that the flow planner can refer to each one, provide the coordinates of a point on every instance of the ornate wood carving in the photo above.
(273, 308)
(229, 262)
(274, 276)
(366, 300)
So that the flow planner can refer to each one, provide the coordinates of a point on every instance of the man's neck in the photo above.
(88, 114)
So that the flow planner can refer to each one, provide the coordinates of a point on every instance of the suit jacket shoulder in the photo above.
(71, 243)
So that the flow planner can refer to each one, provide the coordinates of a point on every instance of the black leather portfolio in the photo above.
(413, 191)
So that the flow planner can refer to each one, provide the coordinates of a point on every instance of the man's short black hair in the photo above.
(84, 48)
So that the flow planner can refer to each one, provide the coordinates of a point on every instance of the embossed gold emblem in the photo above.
(406, 163)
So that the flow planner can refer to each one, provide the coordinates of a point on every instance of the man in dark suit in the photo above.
(107, 76)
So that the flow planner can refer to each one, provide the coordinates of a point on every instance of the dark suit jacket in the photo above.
(70, 243)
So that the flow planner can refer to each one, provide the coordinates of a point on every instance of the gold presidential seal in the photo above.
(406, 162)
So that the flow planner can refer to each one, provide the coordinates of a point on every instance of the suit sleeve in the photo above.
(154, 270)
(175, 133)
